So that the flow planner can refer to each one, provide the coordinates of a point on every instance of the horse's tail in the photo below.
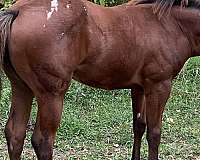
(6, 19)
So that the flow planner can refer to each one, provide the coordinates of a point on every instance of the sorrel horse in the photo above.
(44, 44)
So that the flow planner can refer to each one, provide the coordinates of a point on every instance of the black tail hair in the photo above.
(6, 20)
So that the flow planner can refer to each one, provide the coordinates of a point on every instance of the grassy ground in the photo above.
(97, 124)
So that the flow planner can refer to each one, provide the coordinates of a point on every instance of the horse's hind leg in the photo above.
(48, 118)
(156, 97)
(15, 130)
(139, 119)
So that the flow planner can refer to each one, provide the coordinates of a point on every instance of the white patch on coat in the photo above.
(68, 6)
(138, 115)
(54, 7)
(85, 8)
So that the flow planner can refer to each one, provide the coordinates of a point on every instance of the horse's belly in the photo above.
(105, 78)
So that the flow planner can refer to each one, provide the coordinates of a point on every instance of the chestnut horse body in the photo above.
(127, 46)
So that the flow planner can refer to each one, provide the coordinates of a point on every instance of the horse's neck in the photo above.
(189, 21)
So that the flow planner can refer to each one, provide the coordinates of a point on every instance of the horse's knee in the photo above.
(153, 136)
(48, 119)
(43, 146)
(8, 135)
(15, 142)
(140, 126)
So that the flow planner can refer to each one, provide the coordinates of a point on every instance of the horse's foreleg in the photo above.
(15, 130)
(48, 118)
(156, 97)
(139, 120)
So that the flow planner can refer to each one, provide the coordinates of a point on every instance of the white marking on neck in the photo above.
(54, 7)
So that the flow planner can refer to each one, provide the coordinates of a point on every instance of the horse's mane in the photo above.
(164, 6)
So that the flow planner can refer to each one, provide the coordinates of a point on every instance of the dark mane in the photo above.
(194, 4)
(164, 6)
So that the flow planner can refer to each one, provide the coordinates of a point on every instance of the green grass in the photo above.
(97, 124)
